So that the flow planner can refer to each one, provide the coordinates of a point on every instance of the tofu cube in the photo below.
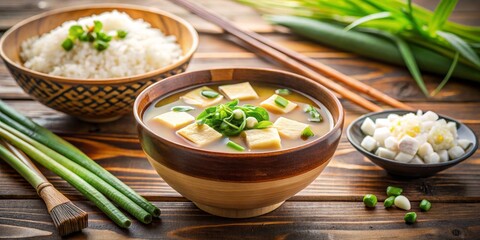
(464, 143)
(455, 152)
(174, 120)
(391, 143)
(452, 127)
(408, 145)
(443, 155)
(425, 149)
(270, 105)
(382, 122)
(368, 126)
(385, 153)
(432, 158)
(426, 126)
(392, 117)
(381, 134)
(429, 116)
(200, 135)
(263, 138)
(289, 129)
(196, 98)
(240, 91)
(369, 143)
(404, 157)
(416, 160)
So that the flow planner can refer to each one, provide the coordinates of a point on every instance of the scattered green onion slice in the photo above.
(67, 44)
(209, 94)
(97, 26)
(121, 34)
(280, 101)
(307, 132)
(370, 200)
(394, 191)
(425, 205)
(263, 124)
(100, 45)
(313, 112)
(410, 217)
(75, 31)
(235, 146)
(389, 202)
(283, 91)
(182, 108)
(92, 34)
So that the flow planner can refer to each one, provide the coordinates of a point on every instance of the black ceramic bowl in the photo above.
(355, 137)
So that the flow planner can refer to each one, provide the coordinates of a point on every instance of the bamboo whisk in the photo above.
(66, 216)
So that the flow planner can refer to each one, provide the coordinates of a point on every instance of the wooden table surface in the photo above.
(330, 207)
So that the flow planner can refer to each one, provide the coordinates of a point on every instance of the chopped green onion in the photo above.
(282, 102)
(283, 91)
(209, 94)
(121, 34)
(394, 191)
(389, 201)
(370, 200)
(67, 44)
(235, 146)
(425, 205)
(100, 45)
(75, 31)
(97, 26)
(307, 132)
(222, 117)
(410, 217)
(263, 124)
(104, 37)
(182, 108)
(314, 114)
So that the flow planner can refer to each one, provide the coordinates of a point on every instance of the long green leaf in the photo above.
(447, 77)
(440, 15)
(407, 56)
(368, 18)
(461, 46)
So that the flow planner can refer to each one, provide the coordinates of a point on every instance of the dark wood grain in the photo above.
(293, 220)
(329, 208)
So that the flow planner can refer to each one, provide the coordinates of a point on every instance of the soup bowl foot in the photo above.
(238, 213)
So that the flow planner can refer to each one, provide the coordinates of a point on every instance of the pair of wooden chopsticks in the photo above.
(297, 62)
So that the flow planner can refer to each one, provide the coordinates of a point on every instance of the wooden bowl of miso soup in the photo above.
(238, 142)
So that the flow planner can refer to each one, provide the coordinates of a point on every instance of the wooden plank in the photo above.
(293, 220)
(13, 11)
(348, 177)
(214, 51)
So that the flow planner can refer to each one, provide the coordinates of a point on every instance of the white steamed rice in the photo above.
(143, 50)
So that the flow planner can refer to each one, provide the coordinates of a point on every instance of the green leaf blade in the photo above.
(461, 46)
(440, 15)
(368, 18)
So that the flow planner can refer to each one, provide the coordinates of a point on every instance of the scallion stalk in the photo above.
(51, 140)
(102, 186)
(81, 185)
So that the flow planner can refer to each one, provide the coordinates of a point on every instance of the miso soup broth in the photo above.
(290, 113)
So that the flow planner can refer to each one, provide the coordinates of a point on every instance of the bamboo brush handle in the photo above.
(50, 195)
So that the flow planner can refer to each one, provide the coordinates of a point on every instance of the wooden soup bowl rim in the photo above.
(138, 114)
(108, 7)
